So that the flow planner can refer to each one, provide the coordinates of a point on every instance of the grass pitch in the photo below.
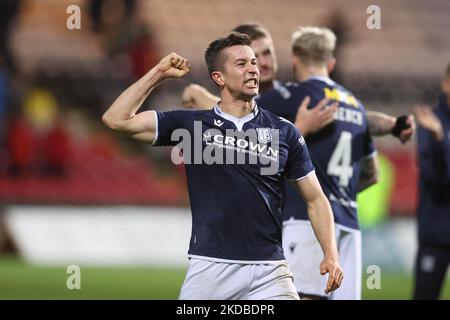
(19, 280)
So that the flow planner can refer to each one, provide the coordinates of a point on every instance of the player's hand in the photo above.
(404, 128)
(312, 120)
(331, 266)
(191, 95)
(174, 66)
(427, 119)
(198, 97)
(187, 98)
(407, 134)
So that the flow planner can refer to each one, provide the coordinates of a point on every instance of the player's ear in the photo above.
(331, 64)
(217, 77)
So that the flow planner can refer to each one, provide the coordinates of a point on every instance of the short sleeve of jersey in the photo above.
(167, 123)
(299, 163)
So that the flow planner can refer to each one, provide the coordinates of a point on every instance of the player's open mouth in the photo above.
(252, 83)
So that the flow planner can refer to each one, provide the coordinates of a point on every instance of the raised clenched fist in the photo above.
(174, 66)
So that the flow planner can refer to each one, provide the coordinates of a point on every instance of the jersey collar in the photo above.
(238, 122)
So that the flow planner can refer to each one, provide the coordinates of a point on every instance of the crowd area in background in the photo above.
(55, 148)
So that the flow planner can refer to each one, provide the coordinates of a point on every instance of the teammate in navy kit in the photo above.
(433, 211)
(235, 249)
(303, 253)
(344, 157)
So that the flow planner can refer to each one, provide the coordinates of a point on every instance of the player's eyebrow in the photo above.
(244, 60)
(240, 60)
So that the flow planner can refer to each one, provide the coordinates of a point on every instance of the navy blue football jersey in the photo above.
(236, 205)
(336, 150)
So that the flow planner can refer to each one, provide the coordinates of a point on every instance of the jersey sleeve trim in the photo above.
(156, 128)
(304, 177)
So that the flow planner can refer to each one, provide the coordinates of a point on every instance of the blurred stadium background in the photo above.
(72, 192)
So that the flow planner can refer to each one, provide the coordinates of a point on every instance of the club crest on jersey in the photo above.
(264, 135)
(301, 140)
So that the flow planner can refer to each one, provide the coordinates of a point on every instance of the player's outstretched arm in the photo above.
(321, 216)
(122, 114)
(369, 173)
(402, 127)
(197, 97)
(309, 121)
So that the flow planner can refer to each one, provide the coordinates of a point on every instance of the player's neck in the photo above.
(304, 73)
(236, 107)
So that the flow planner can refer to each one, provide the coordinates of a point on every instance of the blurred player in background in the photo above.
(284, 99)
(345, 161)
(433, 211)
(235, 249)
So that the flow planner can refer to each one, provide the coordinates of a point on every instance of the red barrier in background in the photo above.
(404, 190)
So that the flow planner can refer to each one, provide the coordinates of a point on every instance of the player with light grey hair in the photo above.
(345, 159)
(316, 45)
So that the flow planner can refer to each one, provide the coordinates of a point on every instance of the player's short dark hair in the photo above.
(213, 54)
(253, 30)
(447, 71)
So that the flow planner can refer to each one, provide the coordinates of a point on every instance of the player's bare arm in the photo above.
(380, 124)
(321, 216)
(427, 119)
(369, 172)
(197, 97)
(122, 114)
(309, 121)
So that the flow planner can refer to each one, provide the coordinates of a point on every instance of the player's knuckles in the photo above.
(174, 60)
(179, 63)
(335, 285)
(169, 57)
(173, 56)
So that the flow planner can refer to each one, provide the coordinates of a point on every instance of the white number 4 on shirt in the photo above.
(340, 163)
